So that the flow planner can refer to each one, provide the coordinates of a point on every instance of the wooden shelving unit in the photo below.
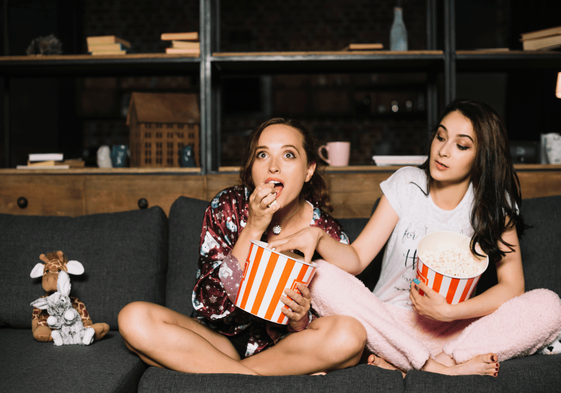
(354, 189)
(212, 64)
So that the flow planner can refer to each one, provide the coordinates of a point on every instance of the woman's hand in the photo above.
(262, 205)
(298, 303)
(305, 241)
(432, 305)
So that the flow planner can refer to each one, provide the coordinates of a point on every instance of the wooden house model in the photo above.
(160, 125)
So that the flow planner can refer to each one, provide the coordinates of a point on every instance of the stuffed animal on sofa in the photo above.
(552, 349)
(66, 309)
(64, 320)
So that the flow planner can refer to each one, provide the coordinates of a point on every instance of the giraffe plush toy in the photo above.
(54, 301)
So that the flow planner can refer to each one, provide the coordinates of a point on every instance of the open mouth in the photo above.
(279, 185)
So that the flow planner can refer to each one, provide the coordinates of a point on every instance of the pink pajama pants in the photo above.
(518, 328)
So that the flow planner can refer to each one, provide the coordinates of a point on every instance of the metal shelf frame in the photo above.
(213, 64)
(430, 61)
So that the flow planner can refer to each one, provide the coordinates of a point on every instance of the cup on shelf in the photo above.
(104, 157)
(551, 148)
(120, 156)
(338, 153)
(187, 157)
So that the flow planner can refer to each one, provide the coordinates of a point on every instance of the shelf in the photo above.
(537, 167)
(393, 168)
(327, 62)
(91, 66)
(103, 171)
(492, 61)
(228, 169)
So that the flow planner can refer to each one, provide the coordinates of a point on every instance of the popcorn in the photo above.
(453, 261)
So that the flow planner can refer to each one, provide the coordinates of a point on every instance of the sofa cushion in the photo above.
(537, 373)
(541, 245)
(362, 378)
(124, 256)
(185, 227)
(30, 366)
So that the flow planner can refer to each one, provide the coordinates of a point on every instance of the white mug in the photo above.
(338, 153)
(552, 147)
(104, 157)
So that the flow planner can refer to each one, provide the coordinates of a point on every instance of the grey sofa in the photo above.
(144, 255)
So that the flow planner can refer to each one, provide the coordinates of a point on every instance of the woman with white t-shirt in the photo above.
(467, 185)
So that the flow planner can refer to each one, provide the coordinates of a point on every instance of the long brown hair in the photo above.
(497, 197)
(315, 190)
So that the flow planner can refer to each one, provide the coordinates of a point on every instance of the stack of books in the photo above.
(187, 43)
(359, 47)
(51, 161)
(107, 45)
(542, 39)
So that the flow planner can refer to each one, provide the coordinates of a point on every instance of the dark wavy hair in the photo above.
(315, 190)
(497, 197)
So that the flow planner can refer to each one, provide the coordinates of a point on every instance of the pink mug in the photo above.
(338, 153)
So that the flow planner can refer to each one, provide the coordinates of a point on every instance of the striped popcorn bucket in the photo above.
(267, 273)
(455, 289)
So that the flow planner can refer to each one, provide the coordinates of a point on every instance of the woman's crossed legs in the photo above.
(164, 338)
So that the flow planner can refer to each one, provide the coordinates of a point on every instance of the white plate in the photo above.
(398, 160)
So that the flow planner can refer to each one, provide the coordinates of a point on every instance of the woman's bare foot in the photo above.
(374, 360)
(480, 365)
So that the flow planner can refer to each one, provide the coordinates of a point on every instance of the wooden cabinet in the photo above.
(121, 193)
(42, 195)
(93, 191)
(354, 190)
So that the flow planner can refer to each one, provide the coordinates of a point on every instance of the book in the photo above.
(45, 157)
(364, 47)
(185, 44)
(98, 47)
(107, 39)
(544, 43)
(541, 33)
(492, 49)
(109, 52)
(71, 163)
(190, 36)
(183, 50)
(38, 167)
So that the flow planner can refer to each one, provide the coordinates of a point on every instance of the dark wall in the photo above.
(532, 107)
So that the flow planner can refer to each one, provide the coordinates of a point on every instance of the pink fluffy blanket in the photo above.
(519, 327)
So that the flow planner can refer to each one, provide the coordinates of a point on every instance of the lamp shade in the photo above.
(558, 89)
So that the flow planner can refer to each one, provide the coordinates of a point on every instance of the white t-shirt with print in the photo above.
(406, 191)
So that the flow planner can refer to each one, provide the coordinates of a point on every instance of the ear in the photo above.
(40, 303)
(44, 258)
(311, 170)
(75, 267)
(37, 270)
(63, 283)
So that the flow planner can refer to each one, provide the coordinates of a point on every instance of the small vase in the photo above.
(104, 157)
(398, 32)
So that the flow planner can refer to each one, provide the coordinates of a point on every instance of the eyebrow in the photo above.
(283, 147)
(459, 135)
